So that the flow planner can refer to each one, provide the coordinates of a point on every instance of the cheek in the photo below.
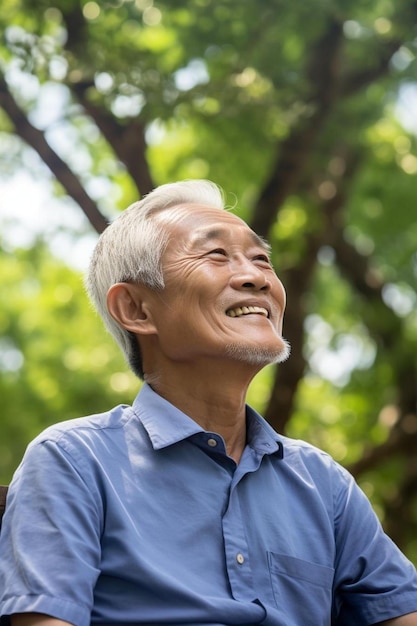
(281, 295)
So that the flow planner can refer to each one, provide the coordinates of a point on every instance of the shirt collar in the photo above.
(164, 423)
(261, 436)
(167, 425)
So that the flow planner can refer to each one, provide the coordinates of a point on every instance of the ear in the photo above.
(128, 304)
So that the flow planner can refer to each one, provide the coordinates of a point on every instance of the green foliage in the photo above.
(56, 360)
(220, 88)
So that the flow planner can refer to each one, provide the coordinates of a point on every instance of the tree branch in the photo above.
(36, 139)
(399, 443)
(294, 152)
(387, 327)
(297, 281)
(127, 140)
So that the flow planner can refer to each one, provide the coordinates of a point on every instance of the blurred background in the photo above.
(306, 114)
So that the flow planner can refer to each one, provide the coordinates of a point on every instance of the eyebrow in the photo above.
(216, 233)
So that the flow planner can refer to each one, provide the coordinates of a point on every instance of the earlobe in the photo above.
(127, 305)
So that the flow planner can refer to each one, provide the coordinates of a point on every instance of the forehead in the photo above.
(198, 224)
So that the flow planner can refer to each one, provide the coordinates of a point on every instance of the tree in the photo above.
(292, 106)
(53, 359)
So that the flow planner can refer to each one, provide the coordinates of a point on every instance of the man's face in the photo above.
(221, 297)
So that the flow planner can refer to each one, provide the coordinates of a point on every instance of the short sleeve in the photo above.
(374, 580)
(50, 538)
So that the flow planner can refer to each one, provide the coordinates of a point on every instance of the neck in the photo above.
(212, 397)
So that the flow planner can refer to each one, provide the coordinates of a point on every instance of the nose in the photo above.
(248, 275)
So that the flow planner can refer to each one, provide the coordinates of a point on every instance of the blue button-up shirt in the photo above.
(138, 516)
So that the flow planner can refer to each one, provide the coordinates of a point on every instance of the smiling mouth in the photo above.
(239, 311)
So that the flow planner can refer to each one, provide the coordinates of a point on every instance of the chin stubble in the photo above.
(259, 355)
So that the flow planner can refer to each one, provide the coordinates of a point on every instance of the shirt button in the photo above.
(240, 558)
(212, 443)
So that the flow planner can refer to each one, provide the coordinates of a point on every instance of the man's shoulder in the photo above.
(302, 453)
(300, 446)
(297, 453)
(87, 426)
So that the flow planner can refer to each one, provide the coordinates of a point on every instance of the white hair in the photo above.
(131, 249)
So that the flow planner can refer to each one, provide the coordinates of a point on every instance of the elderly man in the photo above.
(187, 508)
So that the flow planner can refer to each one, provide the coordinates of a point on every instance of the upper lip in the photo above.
(250, 303)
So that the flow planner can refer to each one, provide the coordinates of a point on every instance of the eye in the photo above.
(220, 251)
(263, 258)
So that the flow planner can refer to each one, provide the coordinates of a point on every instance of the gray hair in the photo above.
(131, 249)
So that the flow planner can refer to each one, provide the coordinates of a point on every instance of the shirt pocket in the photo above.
(303, 590)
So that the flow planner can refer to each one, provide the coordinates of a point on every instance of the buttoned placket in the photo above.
(237, 554)
(236, 548)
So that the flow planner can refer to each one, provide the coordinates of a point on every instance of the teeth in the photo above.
(245, 310)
